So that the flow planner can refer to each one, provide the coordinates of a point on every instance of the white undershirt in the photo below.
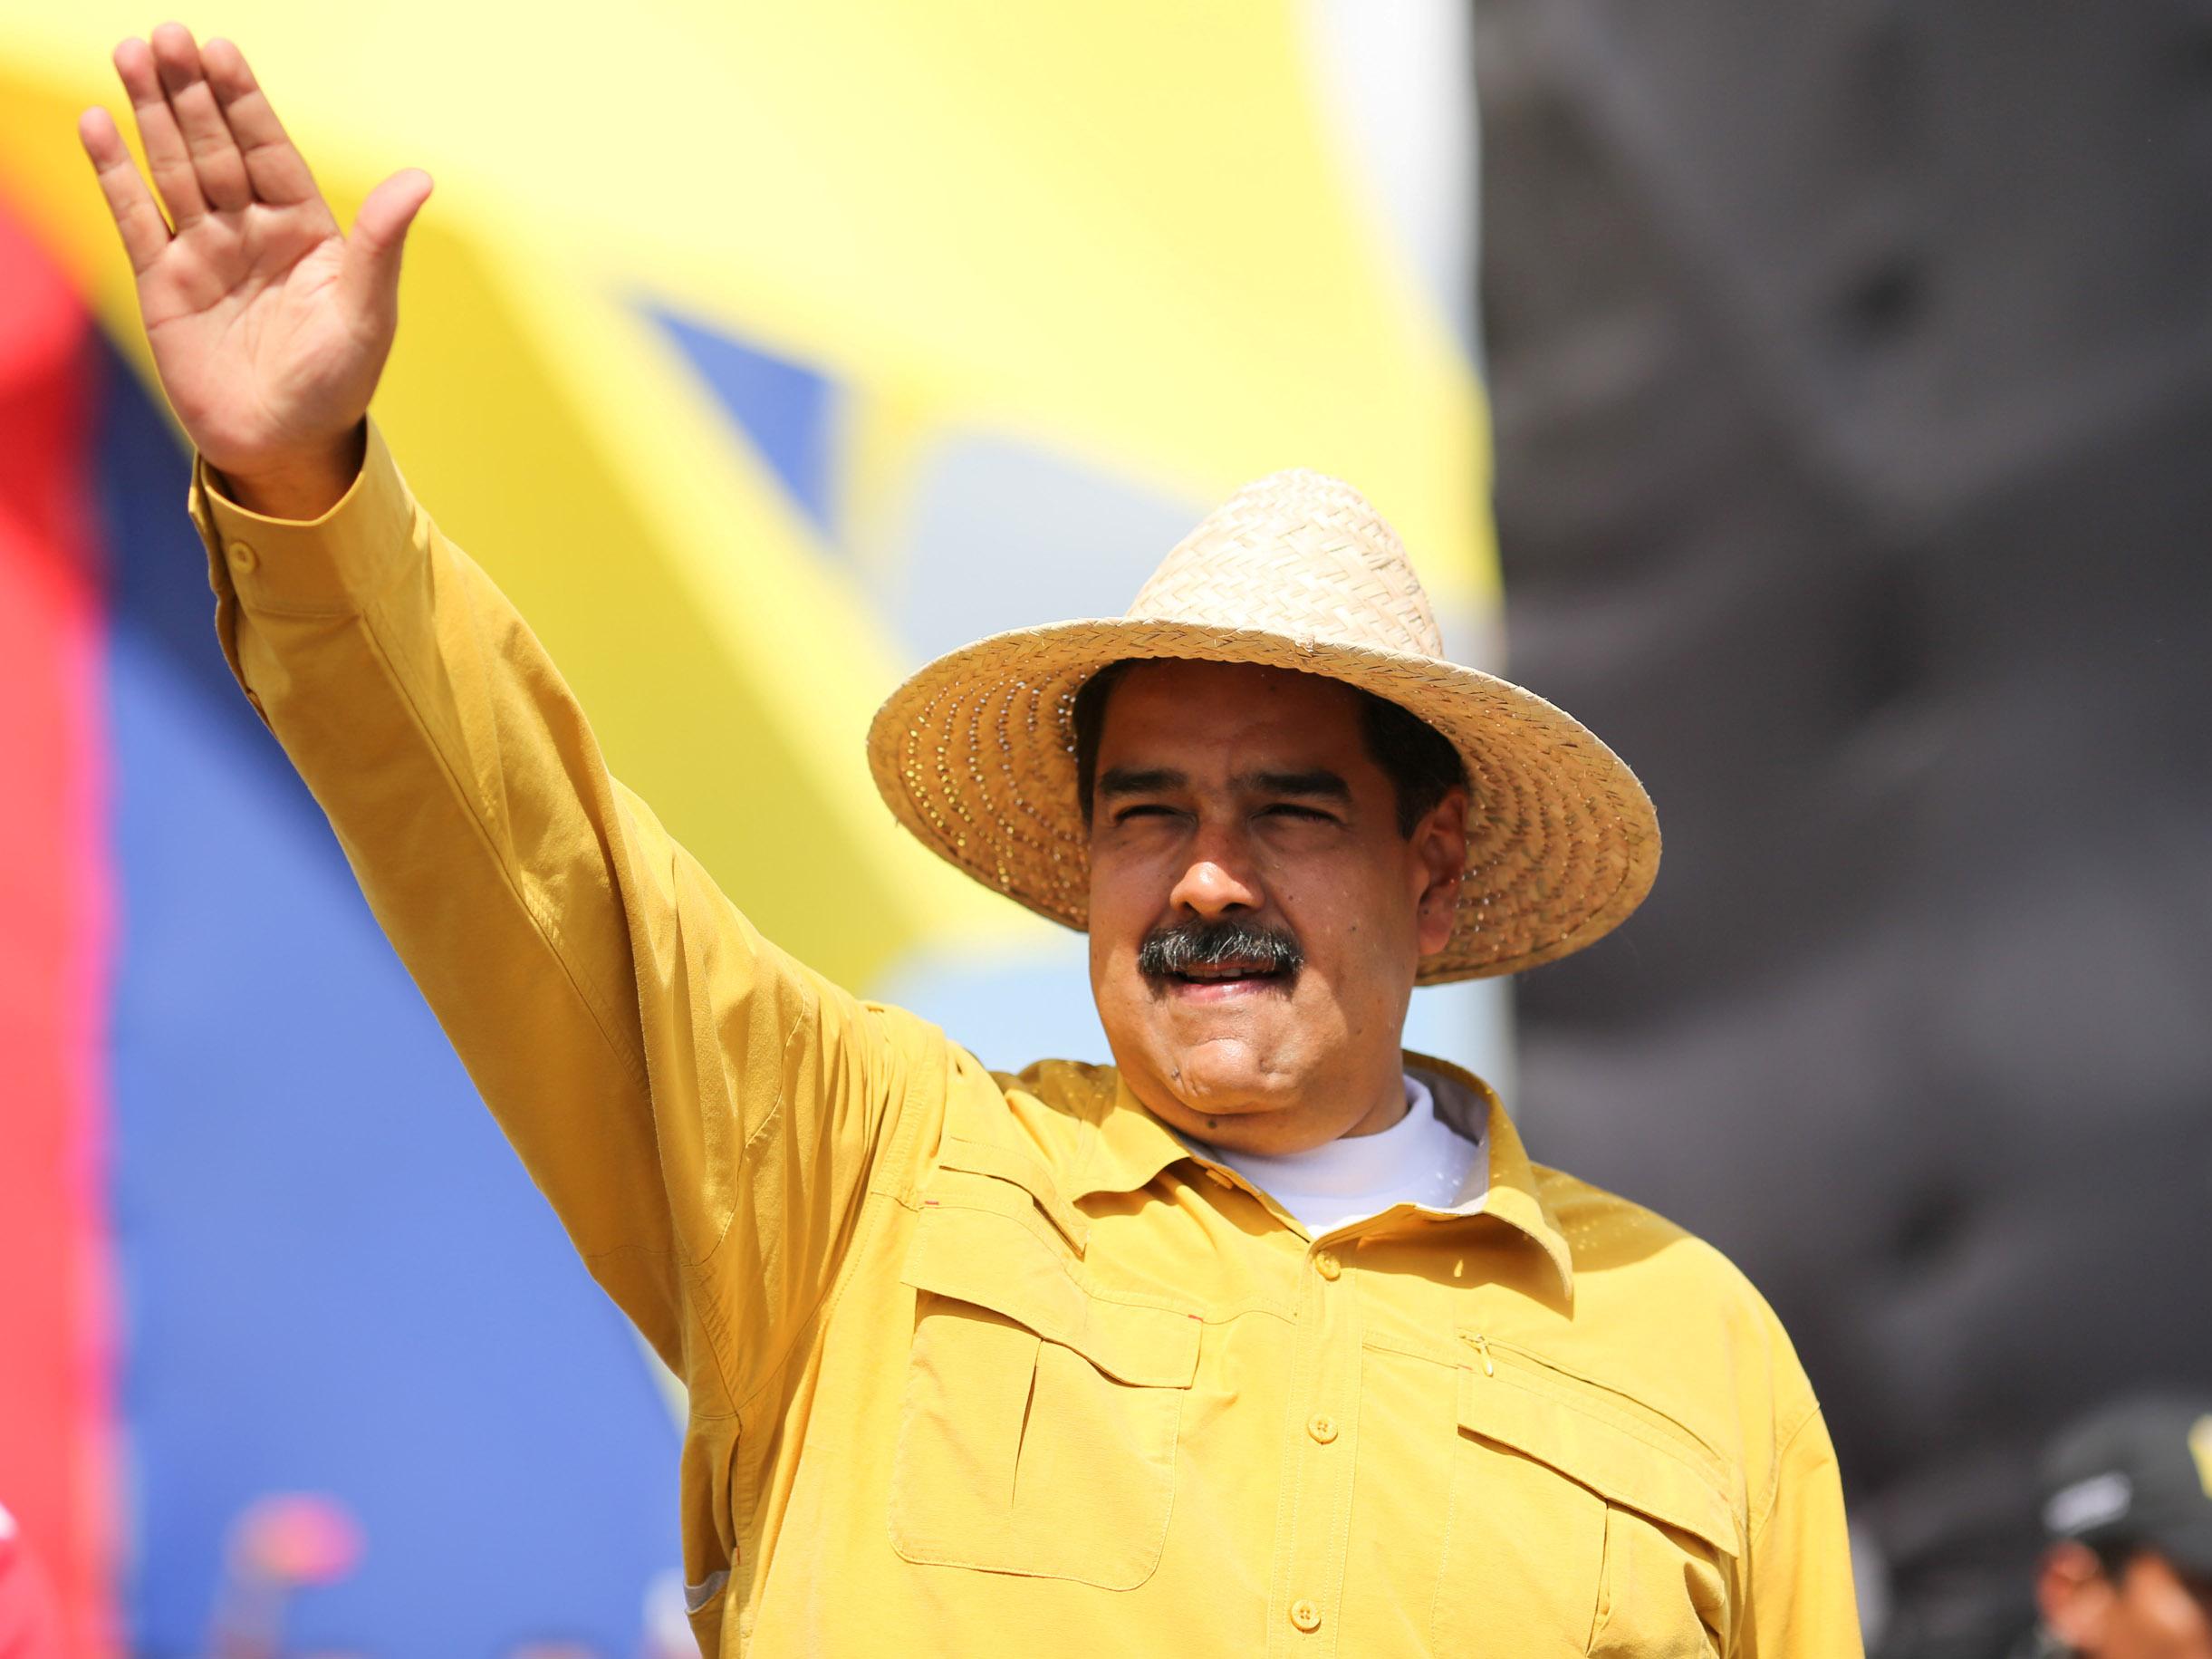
(1419, 1160)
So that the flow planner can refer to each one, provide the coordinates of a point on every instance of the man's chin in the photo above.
(1227, 1077)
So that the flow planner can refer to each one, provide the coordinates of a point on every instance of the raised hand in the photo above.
(269, 326)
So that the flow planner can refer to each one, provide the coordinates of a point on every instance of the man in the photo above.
(2127, 1508)
(1268, 1339)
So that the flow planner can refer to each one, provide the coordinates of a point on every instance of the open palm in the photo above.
(269, 326)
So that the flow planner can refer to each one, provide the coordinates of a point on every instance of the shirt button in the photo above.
(1322, 1428)
(1327, 1265)
(1305, 1615)
(243, 557)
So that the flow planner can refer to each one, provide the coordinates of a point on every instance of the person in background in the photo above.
(2128, 1508)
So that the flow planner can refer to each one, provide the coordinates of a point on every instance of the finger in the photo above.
(166, 155)
(221, 170)
(278, 170)
(140, 223)
(370, 278)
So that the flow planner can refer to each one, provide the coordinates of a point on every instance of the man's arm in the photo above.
(702, 1112)
(1803, 1600)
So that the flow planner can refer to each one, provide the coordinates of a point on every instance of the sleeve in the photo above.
(704, 1114)
(1803, 1604)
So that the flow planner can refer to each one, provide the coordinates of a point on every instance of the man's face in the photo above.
(1229, 796)
(2150, 1610)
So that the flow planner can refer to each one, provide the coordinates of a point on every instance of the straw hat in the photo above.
(976, 754)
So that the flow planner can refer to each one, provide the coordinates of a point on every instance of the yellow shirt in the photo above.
(983, 1363)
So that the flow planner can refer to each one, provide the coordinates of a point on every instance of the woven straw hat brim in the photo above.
(974, 754)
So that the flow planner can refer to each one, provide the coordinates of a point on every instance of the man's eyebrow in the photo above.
(1318, 783)
(1140, 780)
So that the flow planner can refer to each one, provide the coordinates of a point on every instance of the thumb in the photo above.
(370, 278)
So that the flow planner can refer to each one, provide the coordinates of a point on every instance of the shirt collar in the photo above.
(1127, 1147)
(1464, 1100)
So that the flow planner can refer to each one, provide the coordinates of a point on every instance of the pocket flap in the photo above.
(1620, 1465)
(994, 1262)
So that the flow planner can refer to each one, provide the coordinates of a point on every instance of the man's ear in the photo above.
(1440, 853)
(2074, 1595)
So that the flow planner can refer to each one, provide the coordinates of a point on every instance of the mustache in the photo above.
(1203, 942)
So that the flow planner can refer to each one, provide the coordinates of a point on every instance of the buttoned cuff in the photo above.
(325, 566)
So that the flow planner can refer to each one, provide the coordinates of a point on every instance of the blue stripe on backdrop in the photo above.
(336, 1278)
(787, 409)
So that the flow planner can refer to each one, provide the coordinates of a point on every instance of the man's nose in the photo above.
(1218, 879)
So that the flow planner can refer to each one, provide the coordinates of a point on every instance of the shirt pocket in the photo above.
(1040, 1421)
(1576, 1527)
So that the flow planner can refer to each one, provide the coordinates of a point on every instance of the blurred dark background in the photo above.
(1853, 370)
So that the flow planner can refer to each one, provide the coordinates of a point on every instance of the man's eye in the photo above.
(1150, 810)
(1287, 809)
